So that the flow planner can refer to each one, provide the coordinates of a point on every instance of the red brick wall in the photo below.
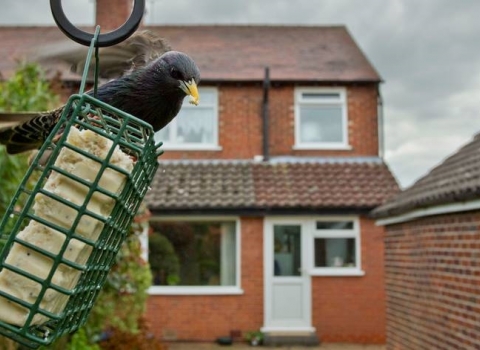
(352, 309)
(111, 14)
(240, 124)
(206, 317)
(433, 283)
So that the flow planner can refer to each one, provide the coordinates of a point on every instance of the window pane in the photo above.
(334, 225)
(195, 125)
(335, 252)
(287, 257)
(321, 124)
(207, 97)
(193, 253)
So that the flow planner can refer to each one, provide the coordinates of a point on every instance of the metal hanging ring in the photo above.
(107, 39)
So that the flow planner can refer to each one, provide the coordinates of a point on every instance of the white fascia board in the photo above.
(435, 210)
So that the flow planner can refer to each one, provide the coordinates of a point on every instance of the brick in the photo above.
(432, 282)
(111, 14)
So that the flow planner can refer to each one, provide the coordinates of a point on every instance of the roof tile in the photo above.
(234, 53)
(456, 179)
(247, 184)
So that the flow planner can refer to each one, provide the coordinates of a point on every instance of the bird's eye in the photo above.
(175, 74)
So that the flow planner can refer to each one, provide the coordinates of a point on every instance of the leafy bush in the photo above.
(26, 90)
(80, 341)
(121, 304)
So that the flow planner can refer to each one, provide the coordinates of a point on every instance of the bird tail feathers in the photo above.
(28, 131)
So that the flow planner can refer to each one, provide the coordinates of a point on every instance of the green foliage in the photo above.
(26, 90)
(80, 341)
(254, 337)
(12, 169)
(122, 301)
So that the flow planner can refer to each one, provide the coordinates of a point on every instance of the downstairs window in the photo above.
(194, 257)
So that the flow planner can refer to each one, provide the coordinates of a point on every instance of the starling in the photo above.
(151, 90)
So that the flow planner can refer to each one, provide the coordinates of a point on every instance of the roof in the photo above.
(232, 185)
(456, 179)
(235, 53)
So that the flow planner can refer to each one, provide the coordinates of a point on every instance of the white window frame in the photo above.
(204, 290)
(344, 233)
(195, 146)
(342, 101)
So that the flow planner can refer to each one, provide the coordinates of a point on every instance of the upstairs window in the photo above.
(195, 127)
(321, 119)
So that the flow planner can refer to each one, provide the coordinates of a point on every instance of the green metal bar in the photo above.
(95, 84)
(88, 59)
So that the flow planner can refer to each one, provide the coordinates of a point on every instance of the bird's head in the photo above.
(180, 70)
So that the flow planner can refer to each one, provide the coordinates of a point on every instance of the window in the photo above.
(194, 257)
(287, 250)
(195, 127)
(336, 247)
(321, 119)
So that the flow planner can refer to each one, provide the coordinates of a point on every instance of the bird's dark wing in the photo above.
(114, 61)
(30, 134)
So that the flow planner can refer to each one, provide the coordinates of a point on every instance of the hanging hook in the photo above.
(107, 39)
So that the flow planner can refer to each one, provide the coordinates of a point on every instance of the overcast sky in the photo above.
(427, 52)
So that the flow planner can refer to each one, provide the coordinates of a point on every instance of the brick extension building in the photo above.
(260, 220)
(432, 251)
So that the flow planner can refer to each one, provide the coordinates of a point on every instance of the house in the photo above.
(260, 207)
(432, 255)
(266, 219)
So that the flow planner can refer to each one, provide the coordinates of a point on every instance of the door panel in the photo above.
(287, 301)
(287, 286)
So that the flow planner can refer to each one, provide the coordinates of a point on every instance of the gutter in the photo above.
(258, 211)
(430, 211)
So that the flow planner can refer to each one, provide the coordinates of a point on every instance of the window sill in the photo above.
(190, 148)
(306, 147)
(340, 272)
(207, 290)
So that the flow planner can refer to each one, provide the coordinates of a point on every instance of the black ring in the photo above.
(107, 39)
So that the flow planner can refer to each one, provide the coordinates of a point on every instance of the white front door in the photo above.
(287, 283)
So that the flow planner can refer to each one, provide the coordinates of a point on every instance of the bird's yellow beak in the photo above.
(190, 88)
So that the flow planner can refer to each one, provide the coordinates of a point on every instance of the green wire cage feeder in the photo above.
(61, 235)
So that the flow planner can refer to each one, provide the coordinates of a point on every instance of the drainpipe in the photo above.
(266, 90)
(381, 142)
